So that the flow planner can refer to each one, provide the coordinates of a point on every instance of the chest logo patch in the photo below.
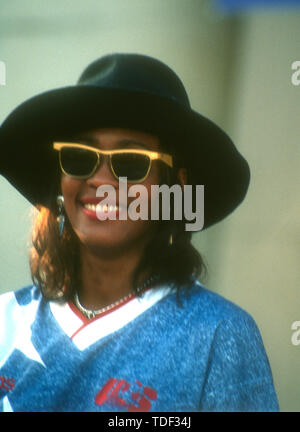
(133, 397)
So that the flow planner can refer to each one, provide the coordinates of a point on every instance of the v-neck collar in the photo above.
(85, 332)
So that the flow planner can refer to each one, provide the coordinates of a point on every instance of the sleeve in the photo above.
(238, 376)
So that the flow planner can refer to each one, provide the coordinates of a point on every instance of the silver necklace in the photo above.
(92, 313)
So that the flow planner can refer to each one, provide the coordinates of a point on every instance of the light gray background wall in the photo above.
(238, 73)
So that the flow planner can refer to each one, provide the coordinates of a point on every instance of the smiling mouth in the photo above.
(97, 211)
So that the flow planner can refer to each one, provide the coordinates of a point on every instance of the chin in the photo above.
(114, 236)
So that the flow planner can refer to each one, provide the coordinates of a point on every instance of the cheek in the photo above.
(70, 188)
(69, 185)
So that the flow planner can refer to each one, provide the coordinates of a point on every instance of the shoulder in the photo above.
(230, 331)
(204, 318)
(213, 310)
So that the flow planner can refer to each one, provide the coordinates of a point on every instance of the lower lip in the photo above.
(108, 215)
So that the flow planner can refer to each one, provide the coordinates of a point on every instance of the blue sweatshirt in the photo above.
(150, 354)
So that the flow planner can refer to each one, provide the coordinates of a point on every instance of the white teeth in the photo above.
(101, 208)
(90, 207)
(113, 208)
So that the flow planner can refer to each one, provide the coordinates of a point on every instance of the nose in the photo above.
(103, 174)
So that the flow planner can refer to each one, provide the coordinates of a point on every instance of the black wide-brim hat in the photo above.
(126, 91)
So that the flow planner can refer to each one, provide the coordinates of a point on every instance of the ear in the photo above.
(182, 176)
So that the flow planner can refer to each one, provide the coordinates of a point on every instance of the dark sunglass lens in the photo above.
(134, 166)
(78, 162)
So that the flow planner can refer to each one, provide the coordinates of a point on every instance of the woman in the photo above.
(116, 319)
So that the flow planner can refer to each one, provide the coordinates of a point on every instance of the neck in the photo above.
(105, 280)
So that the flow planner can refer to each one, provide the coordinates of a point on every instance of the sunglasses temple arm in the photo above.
(167, 159)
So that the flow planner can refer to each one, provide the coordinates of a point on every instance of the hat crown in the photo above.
(135, 73)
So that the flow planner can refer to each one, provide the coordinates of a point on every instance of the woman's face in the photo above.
(80, 194)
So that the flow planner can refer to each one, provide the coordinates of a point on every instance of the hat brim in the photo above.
(30, 164)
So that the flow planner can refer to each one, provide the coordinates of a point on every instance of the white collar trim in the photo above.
(85, 334)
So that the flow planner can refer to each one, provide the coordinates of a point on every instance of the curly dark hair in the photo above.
(55, 260)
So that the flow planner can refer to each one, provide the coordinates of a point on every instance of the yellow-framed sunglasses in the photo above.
(81, 161)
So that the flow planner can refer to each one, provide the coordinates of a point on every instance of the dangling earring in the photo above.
(171, 239)
(61, 217)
